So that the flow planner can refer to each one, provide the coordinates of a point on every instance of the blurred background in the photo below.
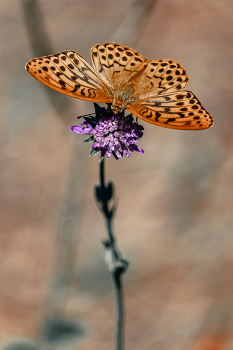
(174, 220)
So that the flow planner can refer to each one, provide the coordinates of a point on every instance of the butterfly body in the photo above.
(151, 90)
(121, 100)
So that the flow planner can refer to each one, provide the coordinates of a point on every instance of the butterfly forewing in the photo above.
(117, 64)
(71, 74)
(180, 110)
(163, 77)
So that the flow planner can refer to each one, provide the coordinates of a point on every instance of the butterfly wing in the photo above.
(179, 110)
(169, 76)
(160, 101)
(159, 77)
(117, 64)
(70, 74)
(154, 87)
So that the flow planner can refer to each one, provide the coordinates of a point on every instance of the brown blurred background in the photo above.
(174, 219)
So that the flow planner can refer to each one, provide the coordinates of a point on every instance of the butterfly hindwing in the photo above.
(71, 74)
(181, 110)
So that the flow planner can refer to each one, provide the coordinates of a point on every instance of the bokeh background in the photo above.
(174, 220)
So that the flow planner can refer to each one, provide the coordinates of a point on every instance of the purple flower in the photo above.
(111, 134)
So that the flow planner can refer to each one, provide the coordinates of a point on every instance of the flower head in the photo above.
(111, 134)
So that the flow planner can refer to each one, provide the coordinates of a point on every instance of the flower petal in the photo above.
(81, 130)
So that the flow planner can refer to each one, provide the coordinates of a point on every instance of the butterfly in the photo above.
(151, 90)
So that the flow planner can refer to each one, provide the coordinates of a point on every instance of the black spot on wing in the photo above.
(61, 82)
(157, 115)
(77, 86)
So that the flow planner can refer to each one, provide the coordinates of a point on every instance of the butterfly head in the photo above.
(117, 108)
(120, 101)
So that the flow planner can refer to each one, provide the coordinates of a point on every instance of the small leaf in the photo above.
(109, 189)
(100, 112)
(114, 154)
(89, 139)
(97, 108)
(93, 151)
(113, 209)
(108, 192)
(98, 193)
(91, 121)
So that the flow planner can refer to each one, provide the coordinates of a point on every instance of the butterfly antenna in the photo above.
(85, 115)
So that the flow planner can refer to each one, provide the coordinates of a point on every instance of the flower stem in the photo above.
(115, 263)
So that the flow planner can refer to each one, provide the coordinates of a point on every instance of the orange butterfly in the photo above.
(151, 90)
